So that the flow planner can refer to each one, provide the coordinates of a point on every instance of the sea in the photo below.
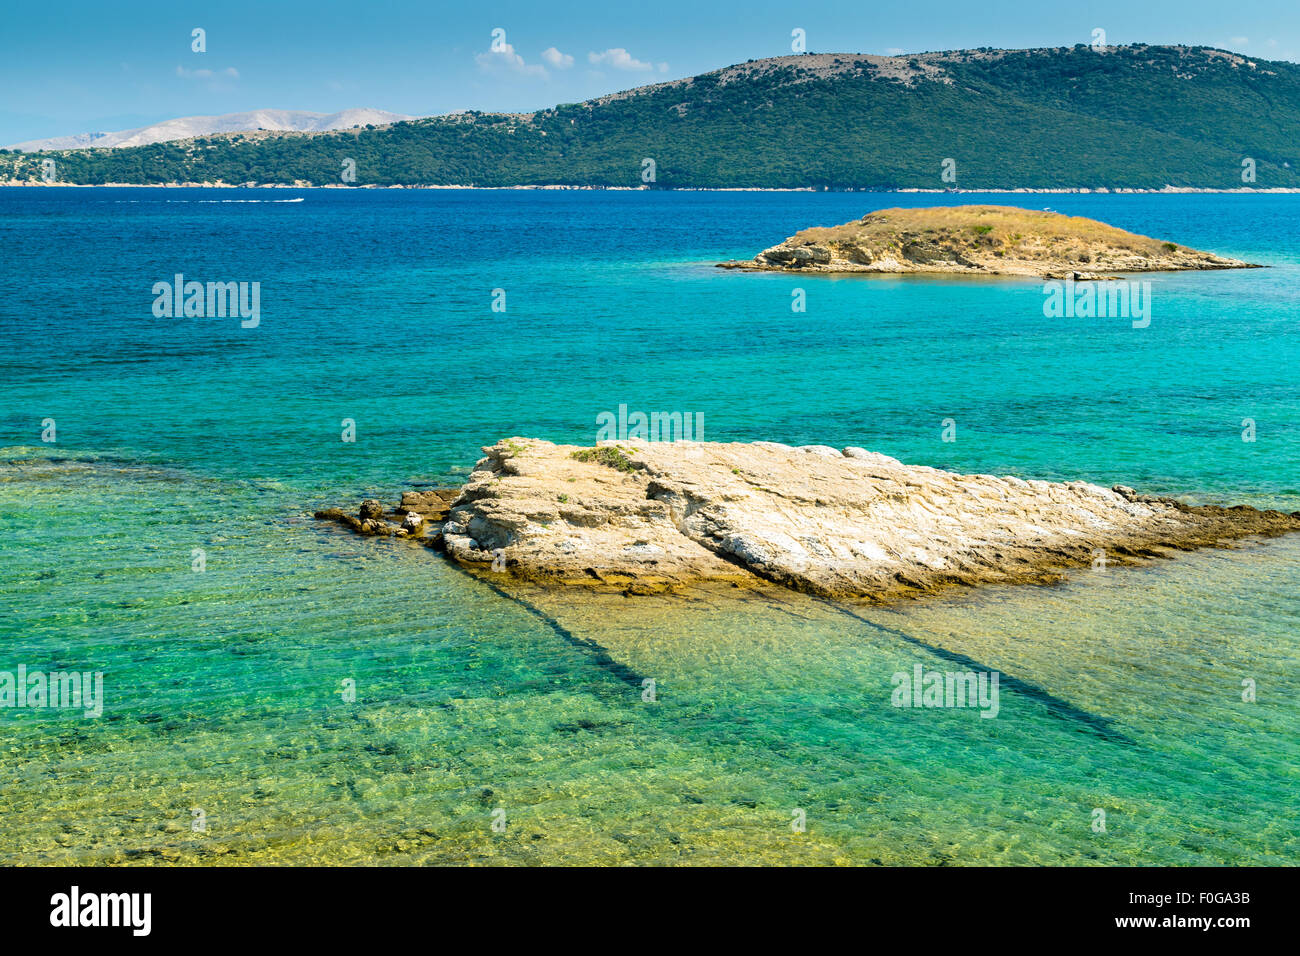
(276, 690)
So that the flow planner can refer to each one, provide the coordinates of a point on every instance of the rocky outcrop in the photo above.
(432, 505)
(980, 240)
(645, 517)
(419, 515)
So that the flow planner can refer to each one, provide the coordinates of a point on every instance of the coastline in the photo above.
(1025, 190)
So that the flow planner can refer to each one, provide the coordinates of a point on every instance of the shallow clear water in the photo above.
(1122, 689)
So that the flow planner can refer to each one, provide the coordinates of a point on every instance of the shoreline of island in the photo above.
(979, 240)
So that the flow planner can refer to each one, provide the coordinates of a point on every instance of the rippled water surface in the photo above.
(1121, 690)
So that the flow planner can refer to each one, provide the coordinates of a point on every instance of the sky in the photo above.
(94, 66)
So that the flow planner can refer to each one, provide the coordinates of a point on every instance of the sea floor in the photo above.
(479, 701)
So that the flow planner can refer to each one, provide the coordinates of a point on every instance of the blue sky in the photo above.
(96, 66)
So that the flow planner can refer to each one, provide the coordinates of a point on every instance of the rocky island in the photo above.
(979, 240)
(645, 517)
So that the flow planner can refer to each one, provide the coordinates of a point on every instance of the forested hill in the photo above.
(1135, 116)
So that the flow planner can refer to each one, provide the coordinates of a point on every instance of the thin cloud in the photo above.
(619, 59)
(506, 60)
(561, 61)
(229, 73)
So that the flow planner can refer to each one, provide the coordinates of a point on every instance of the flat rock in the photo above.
(650, 516)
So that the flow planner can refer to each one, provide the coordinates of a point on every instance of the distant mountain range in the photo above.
(1144, 117)
(188, 127)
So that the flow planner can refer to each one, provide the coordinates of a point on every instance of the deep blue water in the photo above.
(376, 306)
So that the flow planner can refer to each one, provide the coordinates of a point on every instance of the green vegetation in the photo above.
(610, 455)
(1139, 116)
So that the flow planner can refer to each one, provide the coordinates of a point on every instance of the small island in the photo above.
(980, 240)
(649, 517)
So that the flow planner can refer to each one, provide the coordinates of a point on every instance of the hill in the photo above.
(1129, 117)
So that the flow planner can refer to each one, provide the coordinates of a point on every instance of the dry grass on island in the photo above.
(980, 240)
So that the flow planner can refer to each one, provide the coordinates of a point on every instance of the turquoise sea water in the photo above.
(1122, 690)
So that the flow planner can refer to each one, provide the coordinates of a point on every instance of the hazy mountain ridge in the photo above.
(1144, 117)
(189, 127)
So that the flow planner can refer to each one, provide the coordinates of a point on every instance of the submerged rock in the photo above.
(643, 517)
(433, 503)
(419, 516)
